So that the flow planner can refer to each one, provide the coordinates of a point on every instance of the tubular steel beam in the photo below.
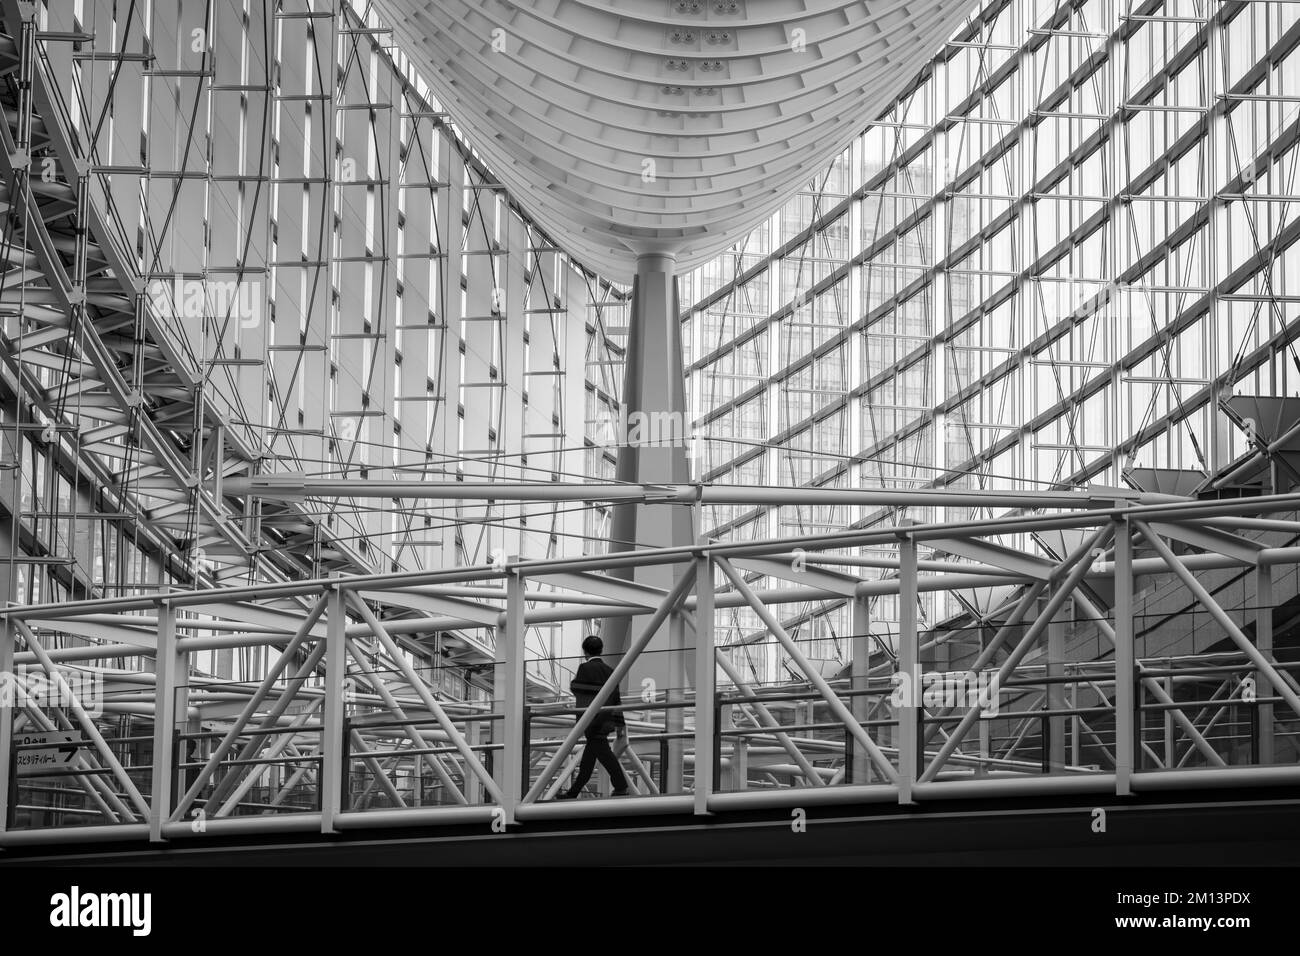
(832, 699)
(170, 700)
(297, 488)
(1125, 659)
(283, 741)
(1194, 511)
(1263, 664)
(1018, 613)
(584, 720)
(156, 692)
(1175, 713)
(1264, 602)
(909, 664)
(86, 723)
(8, 637)
(268, 682)
(859, 676)
(95, 786)
(412, 733)
(332, 767)
(511, 647)
(705, 677)
(767, 721)
(675, 697)
(1082, 561)
(472, 763)
(271, 721)
(376, 771)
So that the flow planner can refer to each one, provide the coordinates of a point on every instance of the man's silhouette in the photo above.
(587, 682)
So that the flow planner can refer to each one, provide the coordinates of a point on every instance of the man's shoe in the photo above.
(620, 793)
(566, 796)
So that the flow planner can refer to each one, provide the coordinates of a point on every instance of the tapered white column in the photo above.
(654, 440)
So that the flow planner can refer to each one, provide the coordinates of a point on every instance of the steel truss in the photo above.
(1143, 659)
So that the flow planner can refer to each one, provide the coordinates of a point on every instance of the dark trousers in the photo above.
(598, 749)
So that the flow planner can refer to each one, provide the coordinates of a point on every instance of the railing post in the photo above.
(909, 738)
(171, 703)
(333, 773)
(1124, 698)
(509, 689)
(706, 742)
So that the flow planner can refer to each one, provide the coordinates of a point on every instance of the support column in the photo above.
(171, 705)
(333, 773)
(653, 440)
(1216, 173)
(675, 716)
(859, 670)
(8, 704)
(507, 767)
(1264, 641)
(1056, 696)
(705, 674)
(1125, 690)
(8, 633)
(909, 668)
(739, 753)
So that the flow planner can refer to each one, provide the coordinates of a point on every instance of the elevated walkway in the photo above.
(1149, 657)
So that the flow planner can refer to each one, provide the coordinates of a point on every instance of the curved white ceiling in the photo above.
(631, 126)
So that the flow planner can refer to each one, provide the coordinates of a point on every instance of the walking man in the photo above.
(587, 682)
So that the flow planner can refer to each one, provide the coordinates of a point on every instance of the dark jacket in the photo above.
(586, 683)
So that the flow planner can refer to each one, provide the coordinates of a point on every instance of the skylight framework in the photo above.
(1044, 267)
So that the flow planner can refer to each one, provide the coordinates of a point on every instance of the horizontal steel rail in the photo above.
(346, 714)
